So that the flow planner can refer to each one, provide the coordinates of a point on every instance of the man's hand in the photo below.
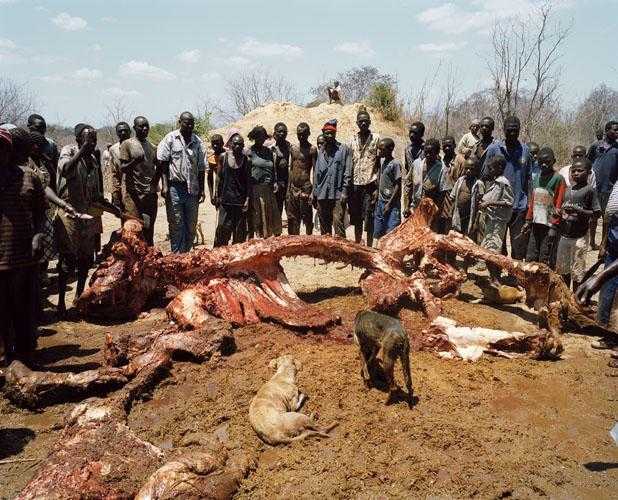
(71, 212)
(406, 213)
(275, 187)
(163, 192)
(587, 289)
(213, 201)
(37, 246)
(526, 228)
(374, 197)
(201, 197)
(245, 206)
(314, 201)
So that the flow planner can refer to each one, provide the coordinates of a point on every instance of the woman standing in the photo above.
(263, 186)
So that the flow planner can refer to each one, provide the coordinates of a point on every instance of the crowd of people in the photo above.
(501, 193)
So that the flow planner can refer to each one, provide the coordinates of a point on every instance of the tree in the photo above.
(383, 97)
(524, 65)
(356, 84)
(16, 102)
(116, 111)
(595, 111)
(252, 89)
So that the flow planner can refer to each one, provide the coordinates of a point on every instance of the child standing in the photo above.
(496, 208)
(465, 197)
(581, 203)
(545, 200)
(387, 214)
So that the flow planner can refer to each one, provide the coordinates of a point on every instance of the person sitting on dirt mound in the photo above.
(334, 93)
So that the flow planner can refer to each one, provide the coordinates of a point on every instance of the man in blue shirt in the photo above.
(518, 169)
(605, 166)
(331, 181)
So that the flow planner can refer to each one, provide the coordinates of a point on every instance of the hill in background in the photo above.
(292, 114)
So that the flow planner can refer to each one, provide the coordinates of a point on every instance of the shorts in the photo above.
(385, 223)
(571, 257)
(360, 204)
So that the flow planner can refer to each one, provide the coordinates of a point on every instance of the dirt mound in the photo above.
(292, 114)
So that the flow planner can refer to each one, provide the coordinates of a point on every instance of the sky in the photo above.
(162, 57)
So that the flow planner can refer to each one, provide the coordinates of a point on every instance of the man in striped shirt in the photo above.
(22, 212)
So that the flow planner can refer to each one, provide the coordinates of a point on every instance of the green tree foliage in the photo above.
(383, 97)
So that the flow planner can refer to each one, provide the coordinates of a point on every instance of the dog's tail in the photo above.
(314, 432)
(407, 375)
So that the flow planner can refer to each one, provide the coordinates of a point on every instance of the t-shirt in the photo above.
(262, 166)
(20, 198)
(605, 166)
(138, 179)
(576, 225)
(565, 172)
(546, 195)
(233, 179)
(499, 190)
(517, 170)
(390, 178)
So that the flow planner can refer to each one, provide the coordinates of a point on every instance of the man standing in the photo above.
(183, 170)
(79, 184)
(413, 151)
(22, 212)
(605, 168)
(468, 141)
(36, 123)
(216, 150)
(298, 199)
(281, 156)
(365, 167)
(137, 165)
(332, 179)
(123, 132)
(517, 170)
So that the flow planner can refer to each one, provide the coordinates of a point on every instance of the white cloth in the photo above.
(565, 172)
(571, 257)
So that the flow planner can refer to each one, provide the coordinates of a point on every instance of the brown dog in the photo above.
(273, 411)
(375, 332)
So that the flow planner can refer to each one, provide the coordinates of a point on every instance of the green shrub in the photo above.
(383, 97)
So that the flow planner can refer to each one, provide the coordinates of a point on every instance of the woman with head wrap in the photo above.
(263, 185)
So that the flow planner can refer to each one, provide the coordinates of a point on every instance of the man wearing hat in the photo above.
(80, 184)
(22, 212)
(331, 182)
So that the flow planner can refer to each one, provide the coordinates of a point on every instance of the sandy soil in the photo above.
(494, 428)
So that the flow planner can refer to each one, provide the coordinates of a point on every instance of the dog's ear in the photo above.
(298, 364)
(273, 364)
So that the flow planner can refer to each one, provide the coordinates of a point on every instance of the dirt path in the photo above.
(494, 428)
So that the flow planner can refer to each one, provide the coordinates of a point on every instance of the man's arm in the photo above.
(587, 289)
(218, 187)
(38, 217)
(347, 174)
(164, 155)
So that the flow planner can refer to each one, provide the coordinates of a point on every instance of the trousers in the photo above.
(181, 208)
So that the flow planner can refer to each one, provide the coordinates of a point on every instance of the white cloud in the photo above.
(441, 47)
(255, 48)
(211, 76)
(87, 74)
(51, 78)
(6, 2)
(66, 22)
(459, 17)
(6, 45)
(359, 49)
(109, 20)
(147, 71)
(238, 62)
(190, 56)
(119, 92)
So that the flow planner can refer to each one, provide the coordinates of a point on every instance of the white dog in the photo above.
(273, 411)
